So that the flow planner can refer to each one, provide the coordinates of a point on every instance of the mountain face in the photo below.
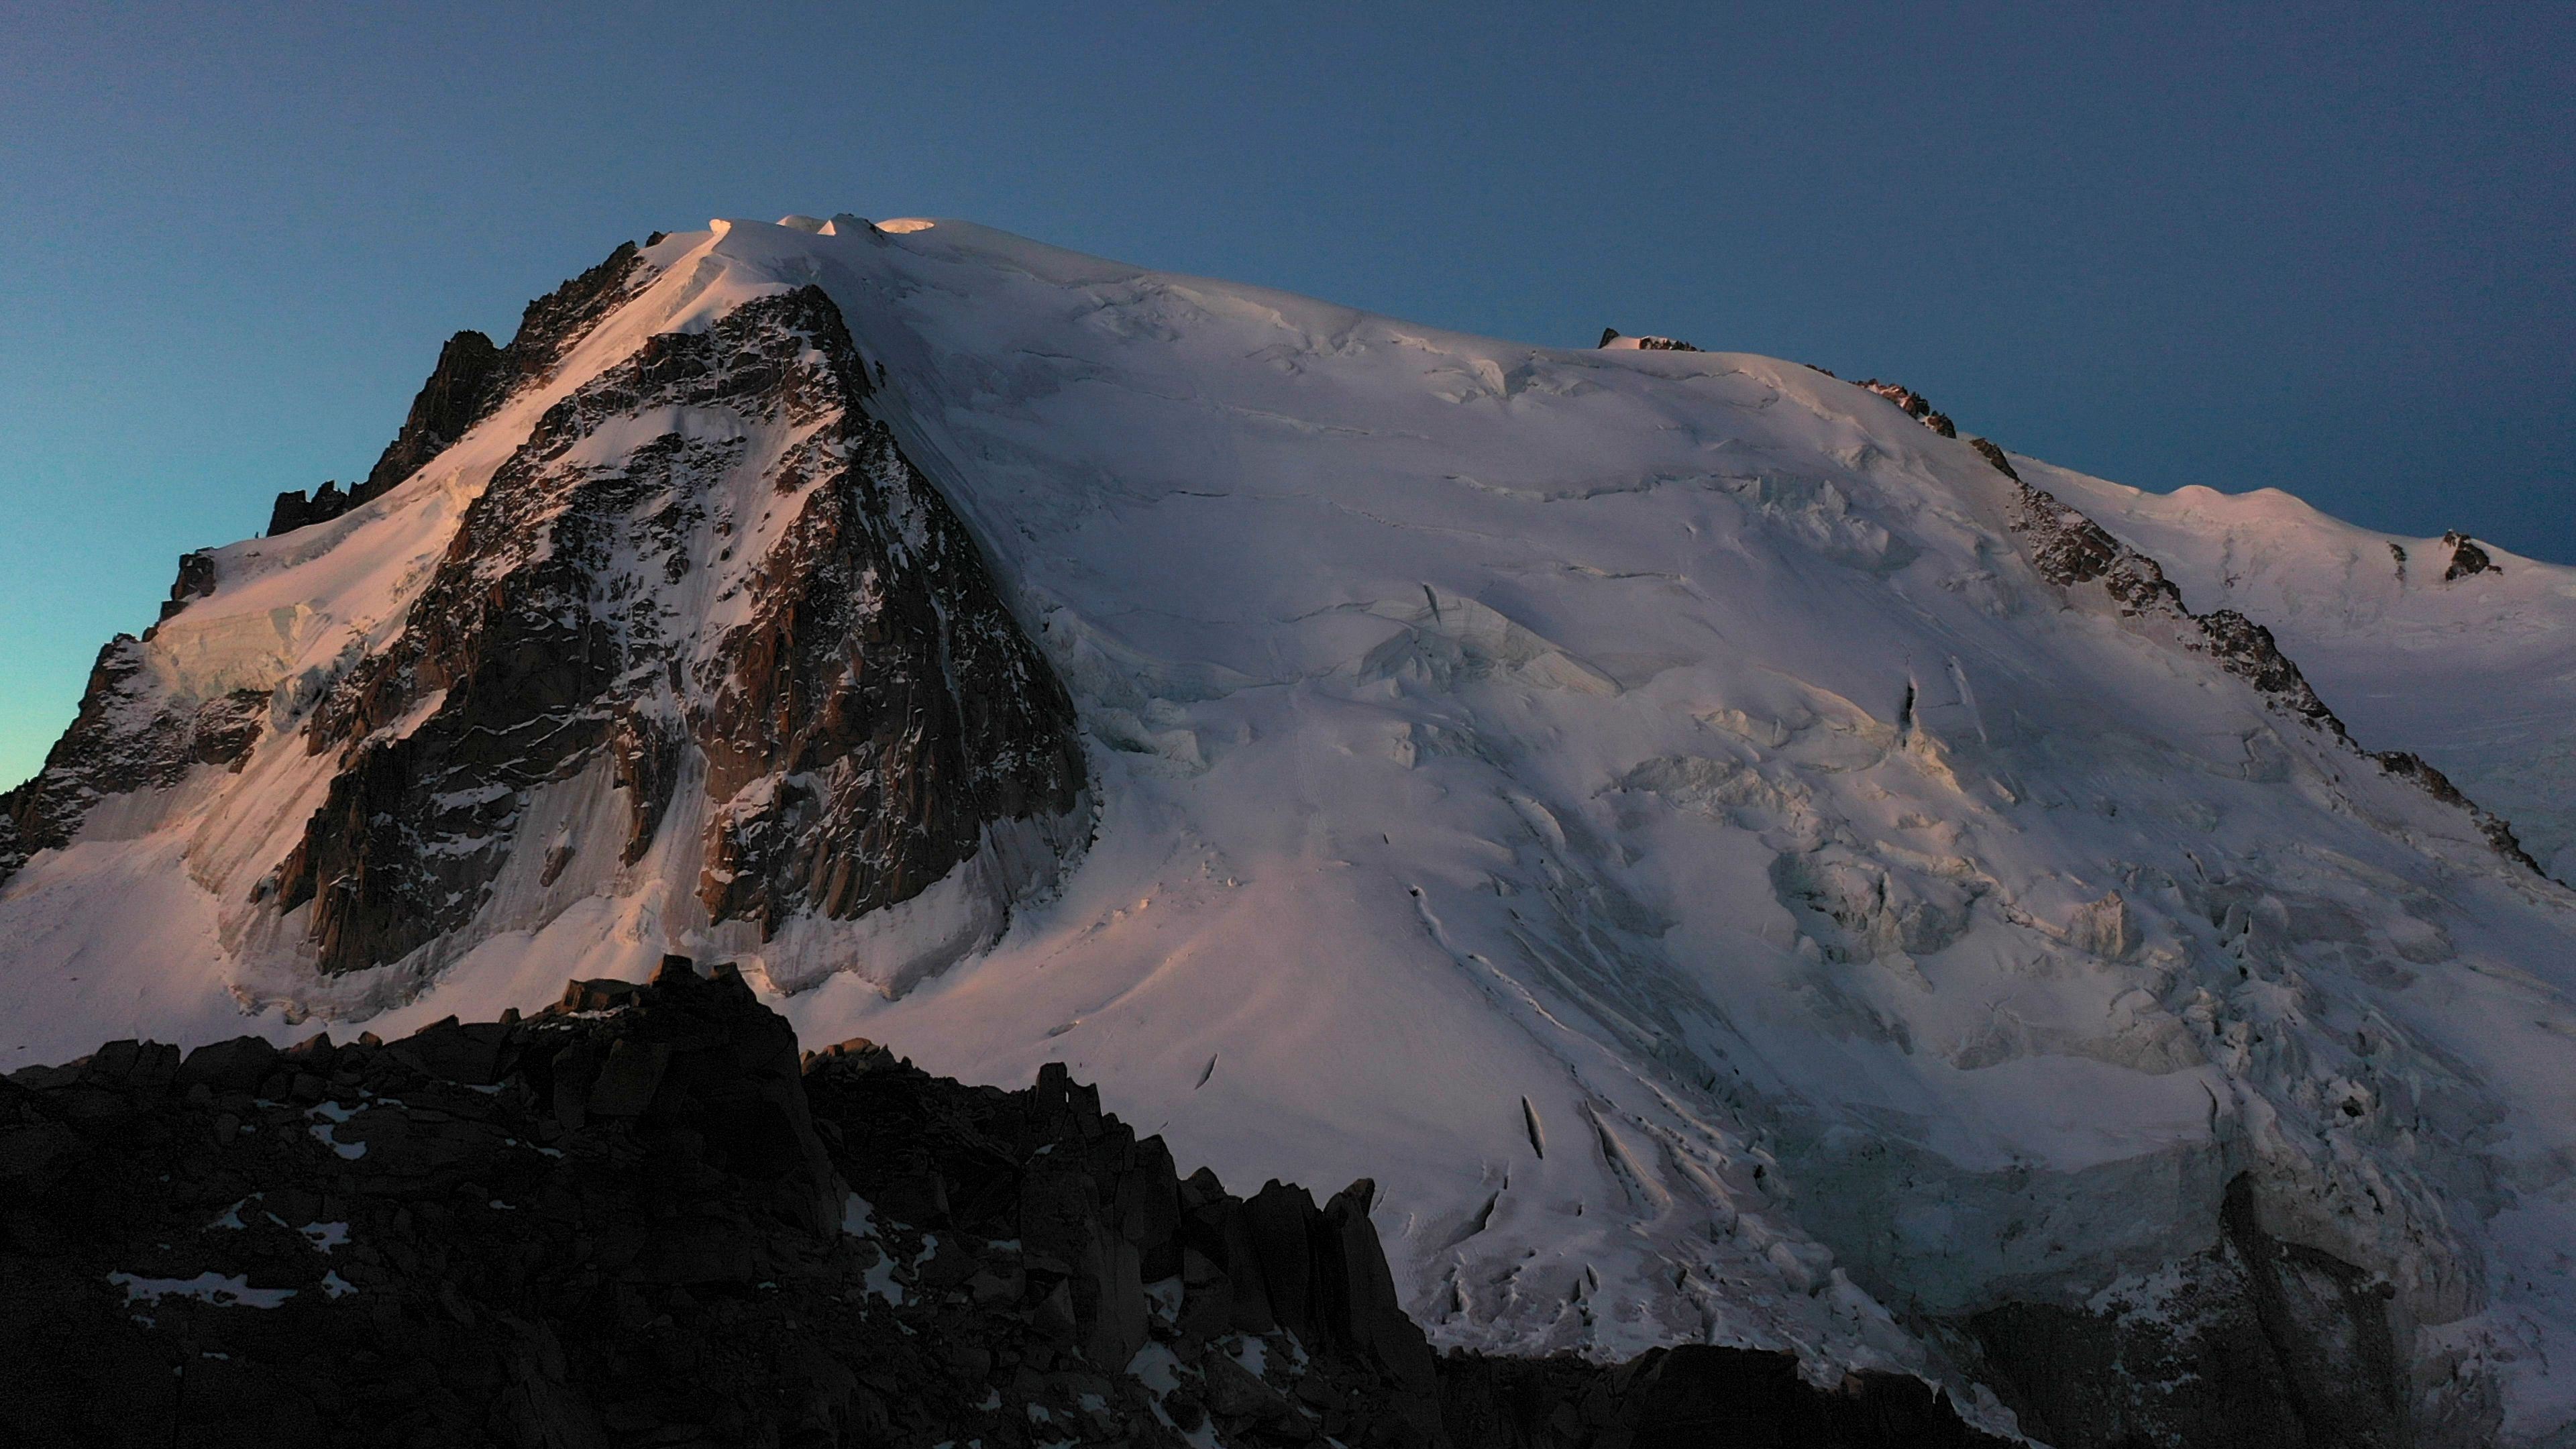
(702, 623)
(852, 702)
(1734, 862)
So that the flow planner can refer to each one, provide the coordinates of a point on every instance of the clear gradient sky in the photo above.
(2323, 248)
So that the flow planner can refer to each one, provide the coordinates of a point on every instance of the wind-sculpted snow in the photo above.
(1732, 863)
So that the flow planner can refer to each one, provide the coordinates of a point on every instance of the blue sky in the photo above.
(2318, 248)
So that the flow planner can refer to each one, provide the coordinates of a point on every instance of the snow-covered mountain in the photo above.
(2451, 647)
(1733, 862)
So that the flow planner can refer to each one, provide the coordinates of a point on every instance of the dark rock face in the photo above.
(2466, 558)
(875, 711)
(465, 384)
(2256, 1344)
(632, 1219)
(196, 580)
(2247, 650)
(126, 738)
(471, 379)
(881, 674)
(293, 510)
(551, 324)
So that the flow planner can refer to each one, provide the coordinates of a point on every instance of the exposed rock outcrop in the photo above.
(745, 591)
(128, 736)
(1610, 337)
(2466, 558)
(634, 1219)
(873, 711)
(2070, 549)
(293, 510)
(469, 379)
(196, 580)
(2497, 829)
(1916, 406)
(1987, 450)
(472, 378)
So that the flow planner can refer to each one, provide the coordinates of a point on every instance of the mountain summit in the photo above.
(1733, 862)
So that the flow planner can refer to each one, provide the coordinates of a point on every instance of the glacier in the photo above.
(1816, 923)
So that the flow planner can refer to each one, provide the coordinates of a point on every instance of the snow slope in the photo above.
(2476, 673)
(1644, 807)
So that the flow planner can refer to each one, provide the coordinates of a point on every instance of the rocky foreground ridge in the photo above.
(638, 1218)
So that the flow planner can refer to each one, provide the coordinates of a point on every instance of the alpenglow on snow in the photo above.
(1733, 862)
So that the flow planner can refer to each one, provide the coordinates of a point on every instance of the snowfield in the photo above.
(2477, 674)
(1643, 807)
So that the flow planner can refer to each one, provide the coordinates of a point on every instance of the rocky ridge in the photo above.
(1915, 405)
(2072, 551)
(1611, 336)
(472, 378)
(126, 738)
(639, 1218)
(875, 710)
(2466, 558)
(706, 575)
